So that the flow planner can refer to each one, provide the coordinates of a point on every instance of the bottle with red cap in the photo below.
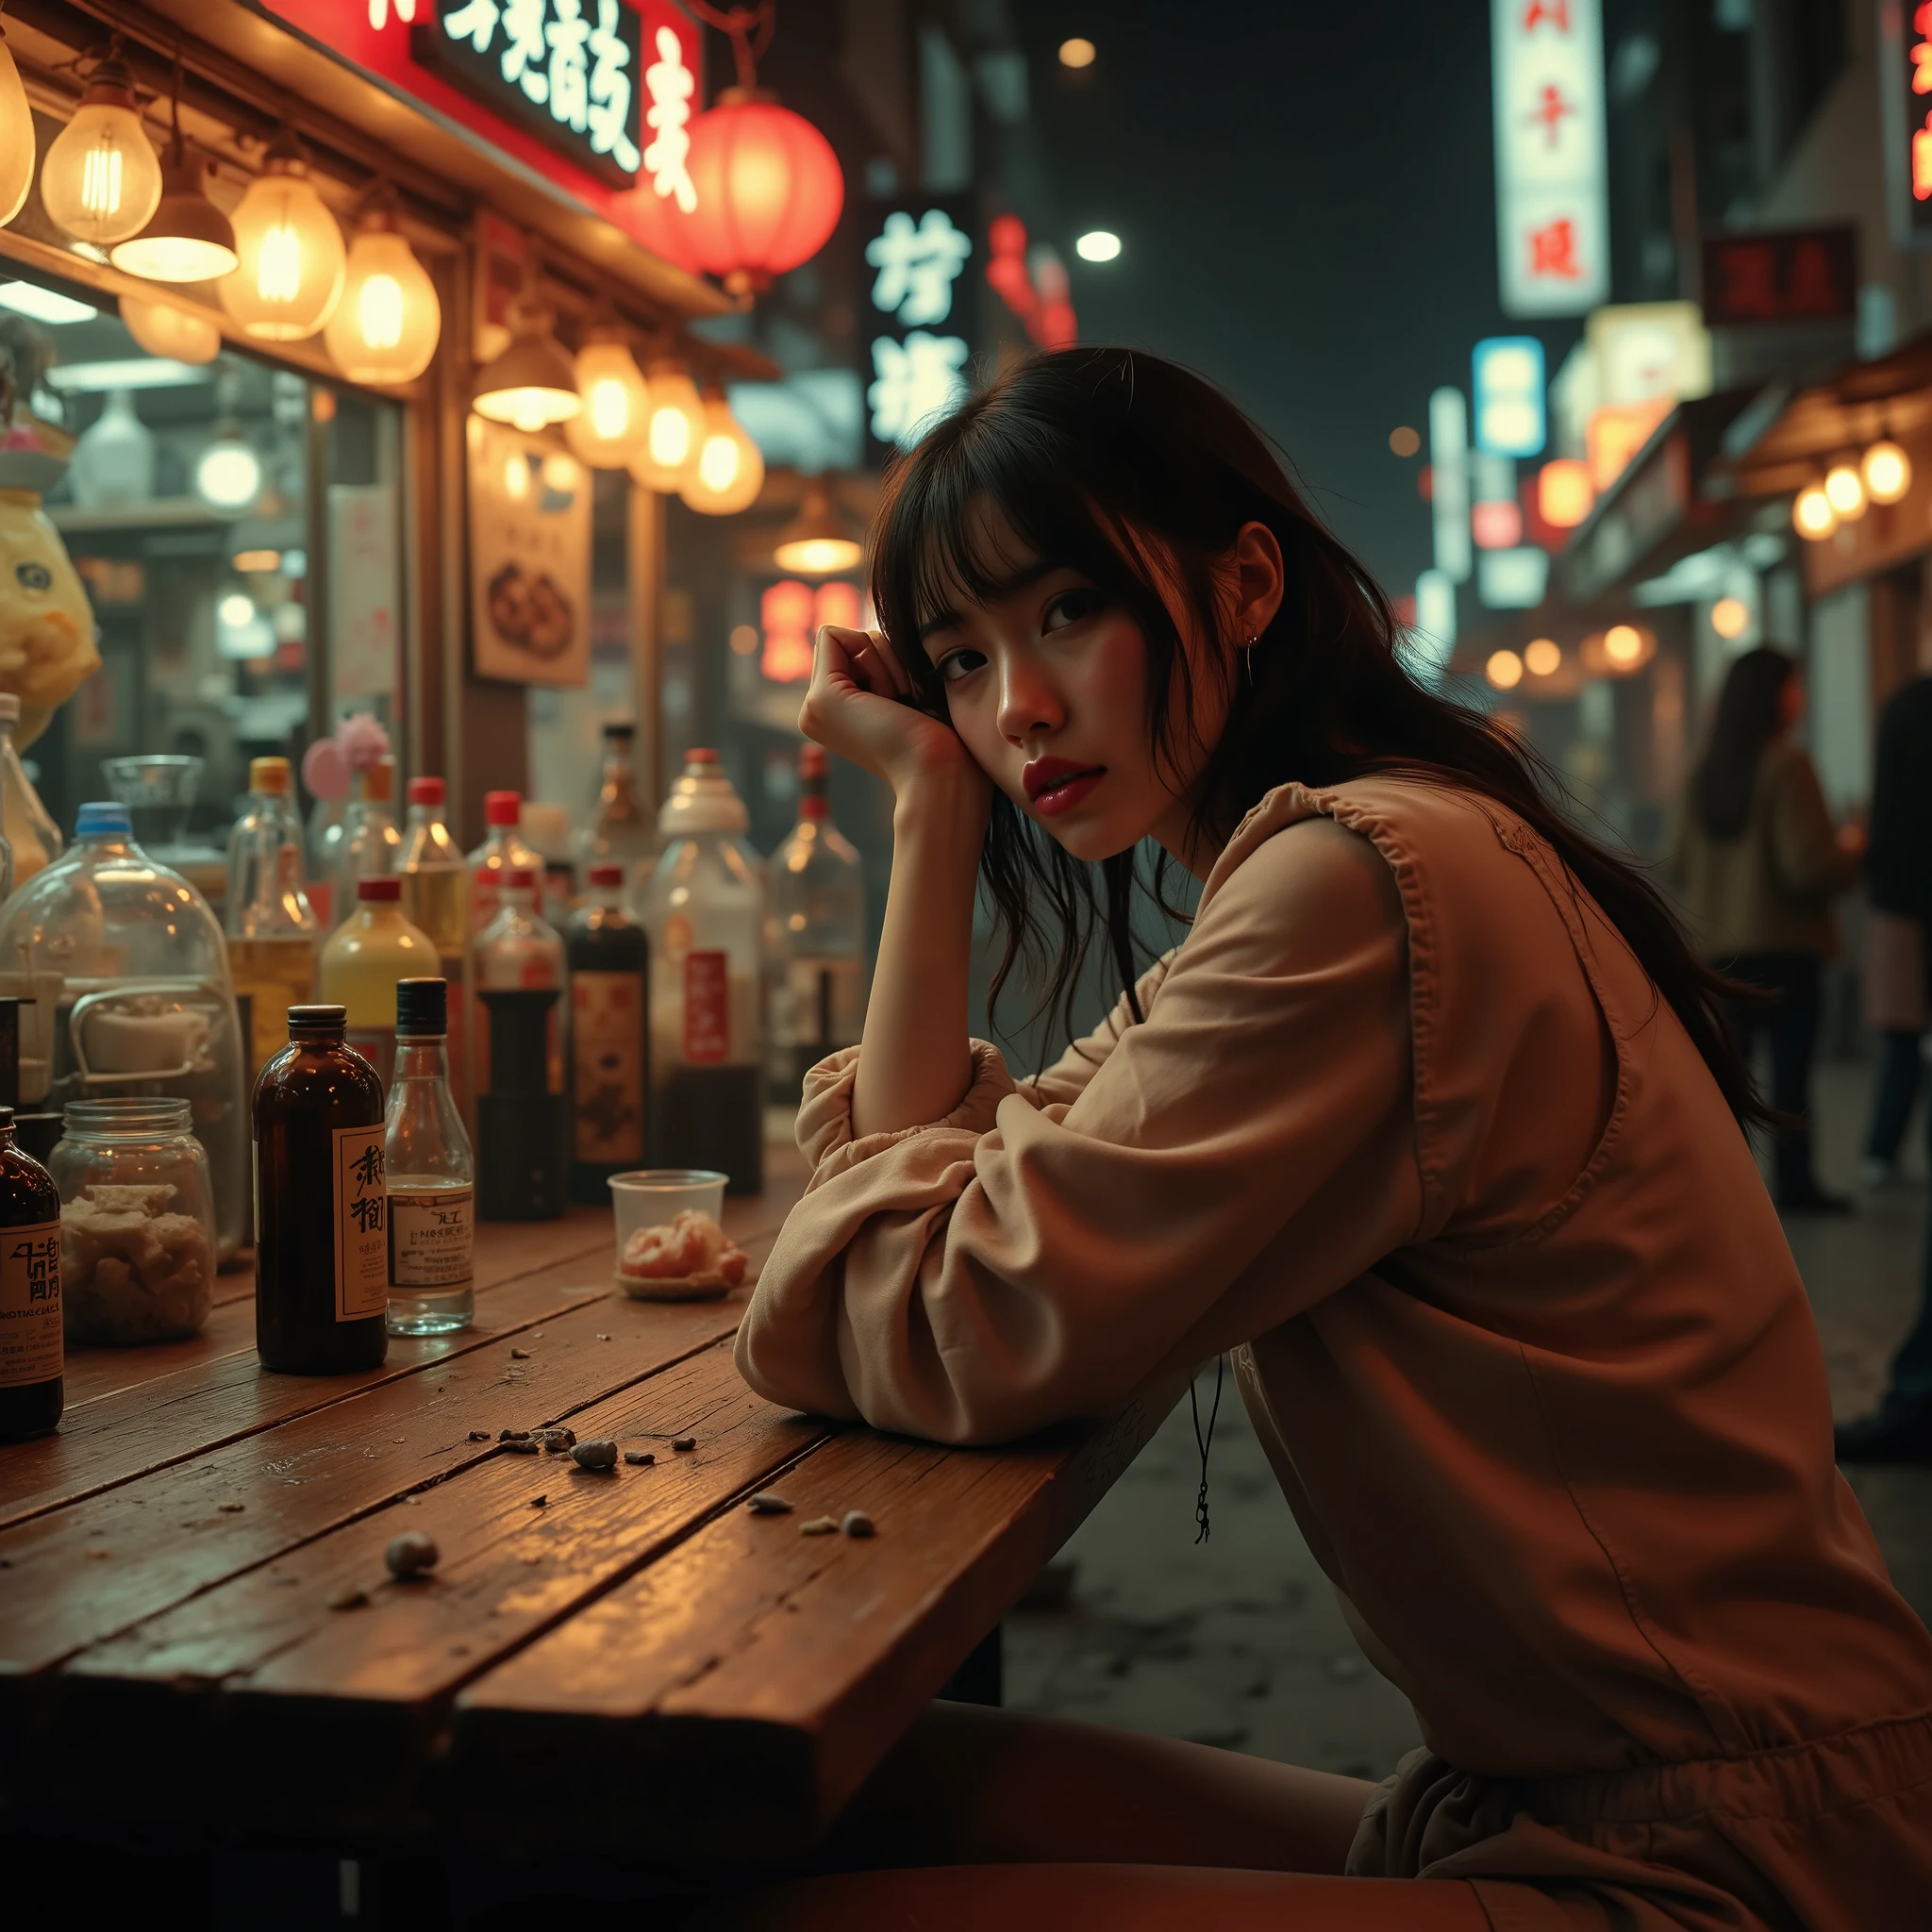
(703, 906)
(366, 955)
(517, 952)
(504, 845)
(436, 888)
(609, 961)
(818, 901)
(371, 843)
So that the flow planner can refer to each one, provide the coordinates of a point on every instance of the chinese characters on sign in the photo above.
(1905, 28)
(569, 71)
(918, 367)
(1808, 274)
(1551, 210)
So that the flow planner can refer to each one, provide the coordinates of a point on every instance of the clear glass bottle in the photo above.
(360, 965)
(33, 1349)
(436, 899)
(622, 832)
(320, 1212)
(702, 905)
(274, 937)
(504, 845)
(137, 1220)
(432, 1175)
(33, 839)
(609, 962)
(371, 844)
(130, 966)
(818, 900)
(158, 790)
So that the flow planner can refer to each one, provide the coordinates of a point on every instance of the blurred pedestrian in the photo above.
(1757, 864)
(1898, 881)
(1900, 875)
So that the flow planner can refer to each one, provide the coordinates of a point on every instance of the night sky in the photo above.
(1306, 196)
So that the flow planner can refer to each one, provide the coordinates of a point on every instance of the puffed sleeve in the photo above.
(1244, 1152)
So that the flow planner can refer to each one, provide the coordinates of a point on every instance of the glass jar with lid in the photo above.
(137, 1220)
(131, 969)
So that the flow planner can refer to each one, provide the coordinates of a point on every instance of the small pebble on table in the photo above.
(410, 1555)
(684, 1442)
(857, 1522)
(639, 1458)
(767, 1503)
(600, 1454)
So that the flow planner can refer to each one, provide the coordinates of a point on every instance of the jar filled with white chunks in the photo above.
(137, 1220)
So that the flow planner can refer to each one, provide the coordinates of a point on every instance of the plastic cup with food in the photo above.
(671, 1246)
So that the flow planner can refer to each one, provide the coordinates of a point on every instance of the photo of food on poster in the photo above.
(530, 558)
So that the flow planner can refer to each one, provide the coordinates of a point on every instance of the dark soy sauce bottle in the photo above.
(520, 1165)
(609, 961)
(322, 1235)
(32, 1350)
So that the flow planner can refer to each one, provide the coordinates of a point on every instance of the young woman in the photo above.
(1434, 1121)
(1756, 862)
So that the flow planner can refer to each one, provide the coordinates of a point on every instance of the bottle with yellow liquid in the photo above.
(436, 900)
(273, 935)
(366, 955)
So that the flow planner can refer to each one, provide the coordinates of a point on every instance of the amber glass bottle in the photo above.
(322, 1235)
(32, 1357)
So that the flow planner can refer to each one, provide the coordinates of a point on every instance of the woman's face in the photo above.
(1047, 685)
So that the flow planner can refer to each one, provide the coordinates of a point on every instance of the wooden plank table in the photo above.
(700, 1679)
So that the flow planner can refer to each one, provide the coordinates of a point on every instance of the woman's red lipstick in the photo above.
(1058, 785)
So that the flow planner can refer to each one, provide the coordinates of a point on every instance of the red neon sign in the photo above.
(375, 36)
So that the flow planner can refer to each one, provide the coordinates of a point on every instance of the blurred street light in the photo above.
(1504, 670)
(1846, 492)
(1097, 244)
(1887, 473)
(1812, 515)
(1542, 656)
(1076, 52)
(1404, 440)
(1729, 617)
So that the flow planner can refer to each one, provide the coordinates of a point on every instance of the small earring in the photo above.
(1248, 658)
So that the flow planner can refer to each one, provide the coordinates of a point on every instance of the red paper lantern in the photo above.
(769, 191)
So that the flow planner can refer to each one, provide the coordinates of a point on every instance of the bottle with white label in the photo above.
(431, 1175)
(320, 1204)
(610, 963)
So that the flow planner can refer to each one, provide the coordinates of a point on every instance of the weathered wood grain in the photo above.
(774, 1665)
(166, 1537)
(279, 1672)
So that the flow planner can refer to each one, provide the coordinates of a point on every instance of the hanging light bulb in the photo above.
(16, 136)
(1812, 515)
(533, 383)
(385, 328)
(816, 541)
(675, 430)
(187, 239)
(1887, 471)
(227, 473)
(101, 179)
(163, 330)
(293, 257)
(605, 433)
(1845, 492)
(730, 469)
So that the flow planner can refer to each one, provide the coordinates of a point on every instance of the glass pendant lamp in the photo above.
(677, 427)
(291, 274)
(731, 469)
(386, 326)
(101, 180)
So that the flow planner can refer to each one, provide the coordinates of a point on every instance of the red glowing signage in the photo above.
(1905, 33)
(628, 71)
(1803, 274)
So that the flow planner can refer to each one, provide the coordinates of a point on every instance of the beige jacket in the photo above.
(1770, 889)
(1408, 1128)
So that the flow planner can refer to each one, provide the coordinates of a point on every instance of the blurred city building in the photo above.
(1711, 219)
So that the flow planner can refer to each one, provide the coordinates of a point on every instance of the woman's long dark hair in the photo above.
(1136, 473)
(1750, 710)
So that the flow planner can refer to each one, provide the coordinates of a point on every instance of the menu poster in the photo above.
(529, 558)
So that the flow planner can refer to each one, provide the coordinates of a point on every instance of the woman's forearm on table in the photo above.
(915, 1063)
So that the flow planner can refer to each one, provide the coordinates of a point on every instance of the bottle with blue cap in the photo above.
(129, 972)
